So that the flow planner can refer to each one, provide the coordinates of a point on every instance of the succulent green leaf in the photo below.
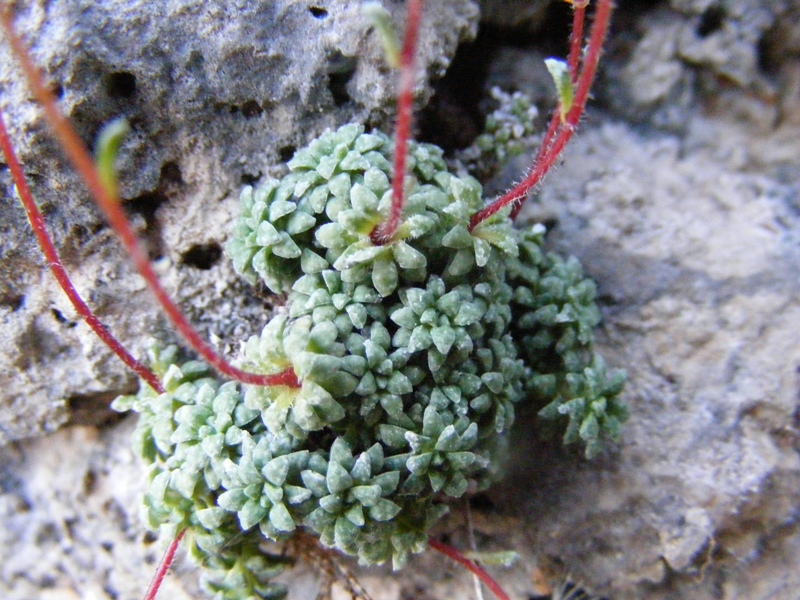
(448, 440)
(338, 479)
(346, 533)
(432, 423)
(251, 513)
(355, 515)
(384, 510)
(443, 338)
(296, 494)
(368, 495)
(384, 276)
(392, 435)
(280, 518)
(276, 470)
(419, 464)
(407, 257)
(108, 145)
(211, 518)
(458, 237)
(388, 482)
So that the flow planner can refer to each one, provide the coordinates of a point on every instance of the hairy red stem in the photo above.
(163, 567)
(576, 42)
(549, 154)
(518, 193)
(57, 268)
(384, 233)
(111, 208)
(602, 18)
(544, 148)
(471, 566)
(576, 38)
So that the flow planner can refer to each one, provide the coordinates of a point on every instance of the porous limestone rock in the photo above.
(217, 94)
(693, 235)
(696, 250)
(690, 48)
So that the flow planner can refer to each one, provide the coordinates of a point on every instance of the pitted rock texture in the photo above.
(684, 208)
(686, 48)
(217, 95)
(696, 265)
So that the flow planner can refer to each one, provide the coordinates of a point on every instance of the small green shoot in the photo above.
(382, 22)
(559, 71)
(108, 145)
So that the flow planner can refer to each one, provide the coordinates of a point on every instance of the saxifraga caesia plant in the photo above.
(417, 318)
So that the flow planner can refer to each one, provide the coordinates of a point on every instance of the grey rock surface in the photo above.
(693, 47)
(683, 206)
(697, 268)
(217, 94)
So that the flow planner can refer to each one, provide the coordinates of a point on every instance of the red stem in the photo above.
(591, 60)
(549, 154)
(163, 567)
(112, 209)
(518, 192)
(58, 270)
(471, 566)
(544, 148)
(576, 38)
(384, 233)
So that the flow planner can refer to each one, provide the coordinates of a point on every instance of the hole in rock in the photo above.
(710, 21)
(453, 119)
(250, 179)
(251, 109)
(286, 153)
(171, 173)
(146, 206)
(341, 71)
(149, 537)
(202, 256)
(13, 301)
(121, 84)
(94, 409)
(79, 233)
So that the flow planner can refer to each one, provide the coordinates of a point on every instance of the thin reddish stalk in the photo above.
(576, 43)
(565, 132)
(58, 270)
(163, 567)
(384, 233)
(471, 566)
(544, 148)
(111, 208)
(576, 38)
(518, 193)
(591, 60)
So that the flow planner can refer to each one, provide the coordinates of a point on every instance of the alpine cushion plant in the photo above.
(411, 358)
(417, 318)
